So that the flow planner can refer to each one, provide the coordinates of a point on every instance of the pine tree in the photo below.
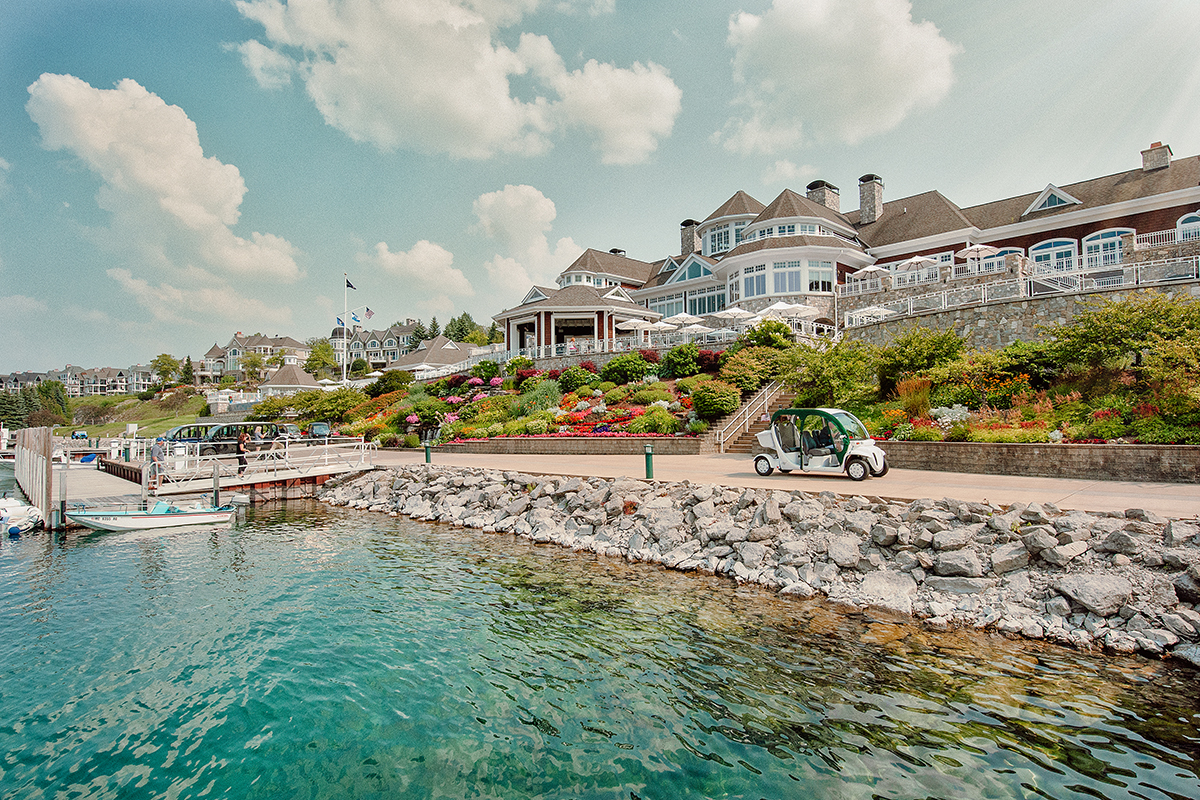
(435, 330)
(418, 335)
(494, 335)
(188, 373)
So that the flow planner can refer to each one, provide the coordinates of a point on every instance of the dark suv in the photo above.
(222, 439)
(318, 430)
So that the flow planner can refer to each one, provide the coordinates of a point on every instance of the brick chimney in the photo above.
(825, 194)
(1157, 156)
(689, 240)
(870, 198)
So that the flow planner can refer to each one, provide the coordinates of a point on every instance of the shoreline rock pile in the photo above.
(1127, 583)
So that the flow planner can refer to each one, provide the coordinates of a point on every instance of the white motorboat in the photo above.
(17, 516)
(161, 515)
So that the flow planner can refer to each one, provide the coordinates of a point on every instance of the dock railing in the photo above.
(33, 468)
(284, 459)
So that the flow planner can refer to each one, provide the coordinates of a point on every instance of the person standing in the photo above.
(243, 447)
(158, 462)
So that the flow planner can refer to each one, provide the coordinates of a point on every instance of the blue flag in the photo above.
(354, 317)
(350, 285)
(340, 323)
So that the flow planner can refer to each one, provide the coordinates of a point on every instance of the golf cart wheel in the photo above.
(762, 466)
(881, 472)
(857, 469)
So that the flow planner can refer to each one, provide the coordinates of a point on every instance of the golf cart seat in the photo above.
(811, 448)
(787, 437)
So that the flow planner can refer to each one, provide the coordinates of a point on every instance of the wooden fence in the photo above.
(34, 471)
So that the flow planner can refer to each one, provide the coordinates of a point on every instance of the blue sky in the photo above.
(172, 171)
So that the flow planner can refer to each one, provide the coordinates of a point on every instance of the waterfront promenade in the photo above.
(1178, 500)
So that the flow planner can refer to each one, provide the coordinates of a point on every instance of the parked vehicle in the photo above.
(319, 430)
(819, 440)
(189, 434)
(79, 435)
(290, 430)
(222, 439)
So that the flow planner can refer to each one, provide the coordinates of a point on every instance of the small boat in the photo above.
(18, 517)
(161, 515)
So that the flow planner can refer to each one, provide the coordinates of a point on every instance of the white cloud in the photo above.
(831, 69)
(427, 267)
(168, 303)
(518, 218)
(432, 76)
(19, 304)
(168, 201)
(272, 70)
(783, 171)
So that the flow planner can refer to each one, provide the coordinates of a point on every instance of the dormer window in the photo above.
(1051, 197)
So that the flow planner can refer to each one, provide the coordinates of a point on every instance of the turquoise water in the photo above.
(322, 653)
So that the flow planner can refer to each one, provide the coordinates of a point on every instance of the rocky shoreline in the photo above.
(1124, 583)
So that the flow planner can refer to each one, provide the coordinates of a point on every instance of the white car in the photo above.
(819, 440)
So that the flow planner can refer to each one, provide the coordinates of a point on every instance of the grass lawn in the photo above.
(152, 417)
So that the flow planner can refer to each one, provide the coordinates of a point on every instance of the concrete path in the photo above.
(1167, 499)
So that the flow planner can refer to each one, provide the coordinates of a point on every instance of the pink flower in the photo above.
(497, 381)
(454, 399)
(412, 419)
(475, 382)
(480, 396)
(450, 418)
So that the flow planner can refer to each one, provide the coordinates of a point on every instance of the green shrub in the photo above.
(574, 378)
(536, 427)
(615, 395)
(645, 397)
(681, 361)
(1106, 428)
(751, 367)
(625, 368)
(495, 429)
(656, 420)
(712, 399)
(518, 363)
(412, 440)
(485, 370)
(925, 433)
(959, 432)
(658, 386)
(769, 333)
(391, 381)
(686, 386)
(1011, 435)
(546, 394)
(531, 383)
(606, 386)
(914, 352)
(697, 427)
(515, 427)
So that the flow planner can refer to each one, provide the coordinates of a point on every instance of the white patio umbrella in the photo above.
(661, 325)
(326, 382)
(868, 272)
(915, 263)
(684, 319)
(375, 374)
(633, 325)
(977, 251)
(790, 310)
(696, 328)
(732, 313)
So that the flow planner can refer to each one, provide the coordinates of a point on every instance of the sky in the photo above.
(175, 171)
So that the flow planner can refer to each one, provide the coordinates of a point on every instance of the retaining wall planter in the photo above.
(581, 445)
(1106, 462)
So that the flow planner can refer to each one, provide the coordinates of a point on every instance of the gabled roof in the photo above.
(582, 297)
(1183, 173)
(791, 204)
(290, 375)
(438, 351)
(597, 261)
(908, 218)
(778, 242)
(740, 204)
(537, 294)
(664, 277)
(216, 351)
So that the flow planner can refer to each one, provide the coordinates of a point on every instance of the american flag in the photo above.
(370, 313)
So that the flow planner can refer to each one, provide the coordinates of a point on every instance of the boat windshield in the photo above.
(853, 427)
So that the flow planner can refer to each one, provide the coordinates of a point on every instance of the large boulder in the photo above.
(1103, 595)
(891, 590)
(958, 563)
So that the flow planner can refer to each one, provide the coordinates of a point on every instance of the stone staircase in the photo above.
(747, 443)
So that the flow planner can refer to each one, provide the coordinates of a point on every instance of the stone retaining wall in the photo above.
(1126, 582)
(1106, 462)
(584, 446)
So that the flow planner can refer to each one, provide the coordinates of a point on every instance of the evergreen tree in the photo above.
(461, 327)
(418, 335)
(53, 396)
(494, 334)
(435, 330)
(28, 402)
(188, 373)
(10, 412)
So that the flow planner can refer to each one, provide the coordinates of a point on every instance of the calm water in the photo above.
(322, 653)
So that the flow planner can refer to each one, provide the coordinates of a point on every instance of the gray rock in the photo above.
(884, 535)
(1180, 533)
(891, 590)
(843, 551)
(1009, 557)
(959, 585)
(1178, 625)
(1103, 595)
(1187, 588)
(953, 539)
(681, 553)
(1144, 516)
(1039, 540)
(1060, 556)
(1189, 653)
(798, 589)
(958, 563)
(752, 554)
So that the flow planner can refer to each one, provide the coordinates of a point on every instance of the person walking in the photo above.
(243, 447)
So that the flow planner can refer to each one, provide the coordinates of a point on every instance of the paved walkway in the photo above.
(1168, 499)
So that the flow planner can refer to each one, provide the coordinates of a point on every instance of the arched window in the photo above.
(1054, 255)
(1104, 247)
(996, 263)
(1188, 228)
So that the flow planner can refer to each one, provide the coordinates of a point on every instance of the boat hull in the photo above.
(140, 521)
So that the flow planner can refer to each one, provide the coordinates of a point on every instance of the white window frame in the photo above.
(1054, 255)
(1187, 227)
(1103, 248)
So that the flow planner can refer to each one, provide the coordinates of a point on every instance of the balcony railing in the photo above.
(1046, 281)
(1144, 241)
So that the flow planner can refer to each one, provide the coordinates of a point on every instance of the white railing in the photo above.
(184, 462)
(1144, 241)
(745, 416)
(868, 286)
(1045, 281)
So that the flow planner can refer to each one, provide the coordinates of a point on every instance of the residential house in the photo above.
(376, 347)
(220, 361)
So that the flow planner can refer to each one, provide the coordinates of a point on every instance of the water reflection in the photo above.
(347, 654)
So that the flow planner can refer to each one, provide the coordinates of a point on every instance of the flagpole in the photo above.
(345, 306)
